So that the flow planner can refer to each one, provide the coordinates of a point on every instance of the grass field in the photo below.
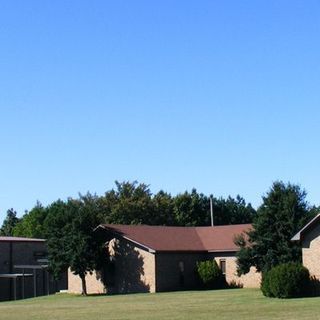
(224, 304)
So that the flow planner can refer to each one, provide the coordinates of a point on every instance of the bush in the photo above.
(210, 275)
(265, 284)
(233, 284)
(288, 280)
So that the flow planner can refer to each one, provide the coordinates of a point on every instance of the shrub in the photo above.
(210, 275)
(265, 284)
(233, 284)
(288, 280)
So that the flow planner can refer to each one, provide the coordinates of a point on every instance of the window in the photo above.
(222, 263)
(181, 266)
(181, 273)
(40, 254)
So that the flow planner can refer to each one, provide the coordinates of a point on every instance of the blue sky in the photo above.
(222, 96)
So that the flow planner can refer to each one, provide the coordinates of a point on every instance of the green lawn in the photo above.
(224, 304)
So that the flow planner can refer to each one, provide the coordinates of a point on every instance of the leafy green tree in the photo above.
(163, 209)
(71, 239)
(87, 250)
(9, 223)
(31, 225)
(130, 203)
(58, 226)
(191, 209)
(232, 211)
(283, 212)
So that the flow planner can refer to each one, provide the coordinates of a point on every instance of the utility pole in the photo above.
(211, 211)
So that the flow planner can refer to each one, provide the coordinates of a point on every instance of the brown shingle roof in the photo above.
(162, 238)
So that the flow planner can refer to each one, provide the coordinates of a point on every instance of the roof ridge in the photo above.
(200, 238)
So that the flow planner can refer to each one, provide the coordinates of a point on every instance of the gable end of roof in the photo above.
(299, 235)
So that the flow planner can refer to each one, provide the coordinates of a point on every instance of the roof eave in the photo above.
(100, 226)
(151, 250)
(222, 250)
(298, 236)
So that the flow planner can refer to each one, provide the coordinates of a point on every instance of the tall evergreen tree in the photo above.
(283, 212)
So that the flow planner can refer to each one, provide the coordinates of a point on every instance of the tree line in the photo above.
(134, 203)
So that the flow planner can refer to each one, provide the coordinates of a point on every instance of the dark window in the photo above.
(181, 273)
(222, 263)
(181, 266)
(40, 254)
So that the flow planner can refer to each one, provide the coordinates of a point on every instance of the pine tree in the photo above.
(283, 212)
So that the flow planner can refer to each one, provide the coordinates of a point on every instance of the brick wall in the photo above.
(176, 271)
(136, 270)
(250, 280)
(93, 281)
(311, 251)
(132, 270)
(171, 277)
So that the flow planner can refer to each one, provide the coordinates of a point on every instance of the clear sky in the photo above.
(223, 96)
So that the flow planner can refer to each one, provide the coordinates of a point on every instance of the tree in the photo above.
(283, 212)
(9, 223)
(87, 250)
(58, 226)
(133, 203)
(191, 209)
(31, 225)
(71, 239)
(130, 203)
(232, 211)
(163, 208)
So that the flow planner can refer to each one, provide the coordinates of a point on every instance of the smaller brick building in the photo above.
(309, 236)
(159, 258)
